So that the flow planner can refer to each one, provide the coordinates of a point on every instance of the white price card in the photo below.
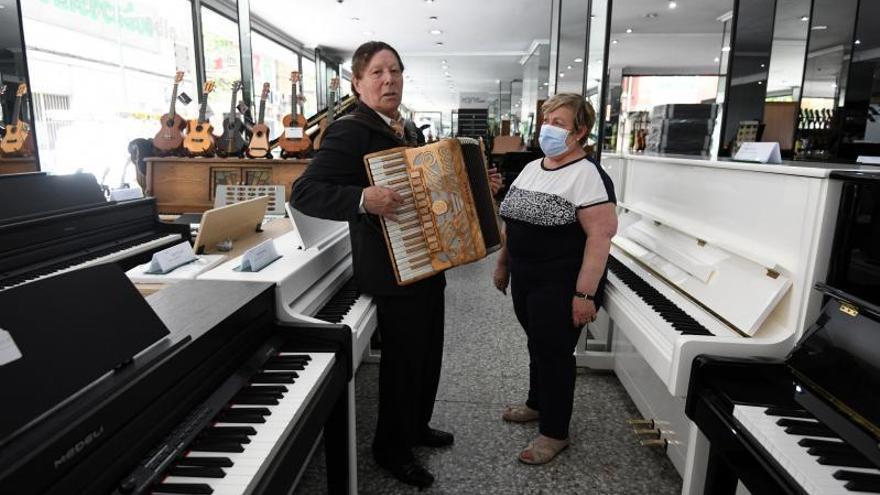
(759, 152)
(293, 132)
(167, 260)
(258, 257)
(9, 352)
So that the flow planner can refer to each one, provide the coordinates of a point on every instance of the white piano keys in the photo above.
(813, 477)
(248, 465)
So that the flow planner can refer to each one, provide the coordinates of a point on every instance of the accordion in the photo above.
(448, 215)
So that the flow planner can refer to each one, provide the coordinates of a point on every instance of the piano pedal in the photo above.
(646, 423)
(655, 443)
(648, 432)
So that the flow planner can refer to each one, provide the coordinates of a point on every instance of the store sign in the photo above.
(134, 23)
(473, 100)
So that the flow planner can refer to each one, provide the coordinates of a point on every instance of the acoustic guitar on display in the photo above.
(170, 137)
(294, 140)
(232, 142)
(199, 140)
(331, 111)
(18, 140)
(259, 145)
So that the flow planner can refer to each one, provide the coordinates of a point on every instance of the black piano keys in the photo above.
(340, 304)
(680, 321)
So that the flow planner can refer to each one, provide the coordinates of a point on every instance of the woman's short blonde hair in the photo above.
(584, 114)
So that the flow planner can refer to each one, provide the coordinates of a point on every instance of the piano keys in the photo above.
(229, 393)
(710, 257)
(809, 424)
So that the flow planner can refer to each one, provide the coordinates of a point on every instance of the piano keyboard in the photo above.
(346, 302)
(811, 453)
(225, 445)
(410, 248)
(665, 304)
(112, 253)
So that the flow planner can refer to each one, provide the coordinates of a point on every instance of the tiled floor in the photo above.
(485, 368)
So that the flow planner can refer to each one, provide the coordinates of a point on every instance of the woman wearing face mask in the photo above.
(559, 219)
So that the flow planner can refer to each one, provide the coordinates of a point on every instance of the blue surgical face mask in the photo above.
(553, 140)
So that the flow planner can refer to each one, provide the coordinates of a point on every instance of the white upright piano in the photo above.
(711, 257)
(313, 283)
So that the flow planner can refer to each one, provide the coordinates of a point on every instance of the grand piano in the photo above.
(809, 424)
(52, 224)
(710, 257)
(314, 285)
(200, 392)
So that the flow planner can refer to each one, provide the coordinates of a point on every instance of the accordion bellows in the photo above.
(448, 214)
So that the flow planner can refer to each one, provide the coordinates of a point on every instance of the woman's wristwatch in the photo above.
(584, 296)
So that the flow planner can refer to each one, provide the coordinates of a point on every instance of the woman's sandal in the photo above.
(519, 414)
(542, 450)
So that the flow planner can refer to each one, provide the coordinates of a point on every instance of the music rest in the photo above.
(230, 222)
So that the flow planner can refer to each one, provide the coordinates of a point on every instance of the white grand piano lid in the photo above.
(738, 288)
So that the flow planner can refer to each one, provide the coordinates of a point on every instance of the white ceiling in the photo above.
(483, 41)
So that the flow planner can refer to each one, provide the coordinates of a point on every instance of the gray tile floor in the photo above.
(485, 368)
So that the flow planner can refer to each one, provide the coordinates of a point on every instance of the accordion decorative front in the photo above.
(448, 214)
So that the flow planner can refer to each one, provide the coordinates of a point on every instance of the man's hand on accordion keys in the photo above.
(383, 201)
(496, 182)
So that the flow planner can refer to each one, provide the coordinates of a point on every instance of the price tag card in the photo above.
(126, 193)
(258, 257)
(9, 352)
(293, 132)
(167, 260)
(759, 152)
(868, 160)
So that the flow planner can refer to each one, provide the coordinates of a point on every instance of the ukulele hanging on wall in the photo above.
(259, 145)
(232, 142)
(170, 137)
(199, 140)
(294, 140)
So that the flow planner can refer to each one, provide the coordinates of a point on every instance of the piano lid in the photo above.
(736, 289)
(839, 357)
(70, 330)
(24, 196)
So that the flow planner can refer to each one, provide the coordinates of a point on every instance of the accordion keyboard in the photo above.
(410, 248)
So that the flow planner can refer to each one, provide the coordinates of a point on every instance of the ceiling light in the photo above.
(717, 60)
(562, 74)
(613, 42)
(568, 67)
(760, 83)
(820, 27)
(629, 30)
(672, 4)
(578, 60)
(436, 31)
(805, 18)
(429, 1)
(443, 61)
(858, 42)
(725, 48)
(592, 16)
(446, 73)
(368, 33)
(546, 84)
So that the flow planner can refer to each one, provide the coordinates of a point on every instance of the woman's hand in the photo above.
(501, 278)
(582, 311)
(496, 182)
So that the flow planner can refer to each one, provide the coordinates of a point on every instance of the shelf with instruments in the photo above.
(187, 185)
(18, 165)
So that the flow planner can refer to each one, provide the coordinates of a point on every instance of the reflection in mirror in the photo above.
(746, 82)
(516, 95)
(828, 54)
(535, 83)
(662, 57)
(595, 62)
(786, 72)
(18, 146)
(572, 43)
(861, 125)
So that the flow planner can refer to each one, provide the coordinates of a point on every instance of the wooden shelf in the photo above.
(187, 185)
(15, 165)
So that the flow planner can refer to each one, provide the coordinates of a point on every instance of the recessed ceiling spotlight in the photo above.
(446, 74)
(672, 4)
(546, 84)
(436, 31)
(763, 65)
(629, 30)
(760, 83)
(805, 18)
(717, 60)
(368, 33)
(858, 42)
(562, 74)
(568, 67)
(578, 60)
(613, 42)
(592, 16)
(725, 48)
(443, 61)
(820, 27)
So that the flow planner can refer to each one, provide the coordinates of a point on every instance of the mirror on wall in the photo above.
(573, 28)
(860, 127)
(18, 153)
(534, 89)
(595, 60)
